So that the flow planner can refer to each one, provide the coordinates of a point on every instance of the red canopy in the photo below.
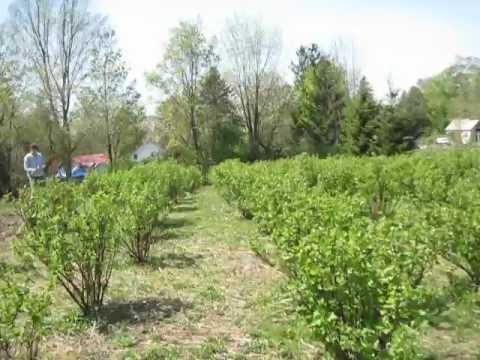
(91, 160)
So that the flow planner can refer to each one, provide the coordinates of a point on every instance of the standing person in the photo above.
(34, 165)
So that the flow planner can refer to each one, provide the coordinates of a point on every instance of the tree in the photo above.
(454, 93)
(320, 96)
(468, 102)
(439, 93)
(306, 58)
(7, 127)
(360, 113)
(220, 129)
(400, 122)
(186, 61)
(345, 56)
(121, 132)
(252, 51)
(12, 96)
(107, 92)
(55, 38)
(277, 134)
(413, 111)
(128, 130)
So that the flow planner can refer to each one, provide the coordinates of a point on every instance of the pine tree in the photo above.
(219, 127)
(321, 97)
(400, 123)
(361, 113)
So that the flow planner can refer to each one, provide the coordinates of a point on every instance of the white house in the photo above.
(147, 151)
(464, 131)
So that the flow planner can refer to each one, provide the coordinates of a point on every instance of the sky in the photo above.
(402, 40)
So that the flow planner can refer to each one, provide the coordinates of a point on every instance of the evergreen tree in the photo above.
(321, 97)
(413, 112)
(306, 58)
(360, 115)
(220, 129)
(400, 123)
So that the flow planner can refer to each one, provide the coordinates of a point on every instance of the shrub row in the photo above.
(357, 236)
(77, 231)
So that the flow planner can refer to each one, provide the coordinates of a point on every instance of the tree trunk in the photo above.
(194, 129)
(109, 144)
(67, 153)
(252, 147)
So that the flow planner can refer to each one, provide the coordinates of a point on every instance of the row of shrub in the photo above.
(77, 232)
(358, 235)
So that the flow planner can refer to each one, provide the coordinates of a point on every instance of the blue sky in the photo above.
(402, 40)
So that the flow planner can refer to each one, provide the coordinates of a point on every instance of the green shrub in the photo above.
(76, 230)
(22, 318)
(146, 195)
(74, 233)
(144, 205)
(357, 235)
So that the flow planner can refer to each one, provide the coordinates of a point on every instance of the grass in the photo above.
(6, 206)
(205, 295)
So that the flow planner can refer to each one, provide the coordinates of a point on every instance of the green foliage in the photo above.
(398, 124)
(147, 193)
(454, 93)
(306, 58)
(360, 113)
(22, 318)
(320, 95)
(356, 237)
(187, 60)
(76, 231)
(220, 128)
(459, 227)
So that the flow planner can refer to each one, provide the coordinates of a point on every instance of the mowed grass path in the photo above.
(206, 295)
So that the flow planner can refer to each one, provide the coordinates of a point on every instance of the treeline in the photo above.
(249, 111)
(64, 84)
(227, 98)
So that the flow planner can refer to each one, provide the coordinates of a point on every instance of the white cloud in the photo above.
(406, 46)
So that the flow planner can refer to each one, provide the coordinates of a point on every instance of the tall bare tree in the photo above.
(107, 90)
(345, 55)
(252, 52)
(55, 38)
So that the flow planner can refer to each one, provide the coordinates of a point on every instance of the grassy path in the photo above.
(204, 295)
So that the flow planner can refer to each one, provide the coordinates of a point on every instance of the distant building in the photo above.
(464, 131)
(82, 165)
(147, 151)
(91, 160)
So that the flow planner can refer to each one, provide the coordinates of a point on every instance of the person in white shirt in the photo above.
(34, 165)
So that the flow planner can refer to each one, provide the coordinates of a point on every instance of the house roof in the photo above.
(90, 160)
(462, 125)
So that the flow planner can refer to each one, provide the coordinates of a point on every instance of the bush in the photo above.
(75, 234)
(357, 235)
(146, 194)
(143, 204)
(22, 318)
(76, 230)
